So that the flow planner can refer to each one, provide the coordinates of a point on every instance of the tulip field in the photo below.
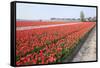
(36, 23)
(49, 45)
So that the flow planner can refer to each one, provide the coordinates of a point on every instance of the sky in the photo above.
(26, 11)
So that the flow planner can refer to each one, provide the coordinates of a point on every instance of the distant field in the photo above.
(35, 23)
(39, 23)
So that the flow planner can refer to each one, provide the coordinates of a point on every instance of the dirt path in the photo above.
(42, 26)
(88, 50)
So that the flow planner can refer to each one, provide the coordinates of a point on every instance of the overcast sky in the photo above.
(28, 11)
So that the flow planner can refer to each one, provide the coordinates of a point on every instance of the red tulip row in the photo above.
(47, 45)
(35, 23)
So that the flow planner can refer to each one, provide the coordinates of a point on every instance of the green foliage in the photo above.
(62, 44)
(48, 42)
(17, 58)
(82, 16)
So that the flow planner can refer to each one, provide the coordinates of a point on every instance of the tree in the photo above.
(82, 16)
(90, 19)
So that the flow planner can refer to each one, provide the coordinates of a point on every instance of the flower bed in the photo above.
(49, 45)
(36, 23)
